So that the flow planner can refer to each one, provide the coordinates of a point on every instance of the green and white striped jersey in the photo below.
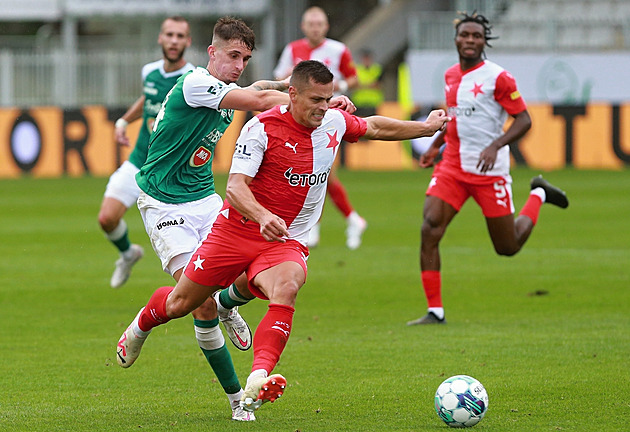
(156, 84)
(178, 168)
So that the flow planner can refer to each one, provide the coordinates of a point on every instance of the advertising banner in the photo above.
(54, 142)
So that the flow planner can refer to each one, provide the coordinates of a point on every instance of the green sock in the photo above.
(120, 237)
(221, 361)
(231, 298)
(122, 243)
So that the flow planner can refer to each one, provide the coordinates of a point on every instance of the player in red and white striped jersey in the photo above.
(476, 161)
(275, 193)
(336, 55)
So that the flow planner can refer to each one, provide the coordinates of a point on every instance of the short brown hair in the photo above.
(229, 28)
(308, 70)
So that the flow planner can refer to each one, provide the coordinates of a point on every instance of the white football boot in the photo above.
(123, 266)
(261, 389)
(129, 345)
(356, 226)
(235, 326)
(239, 414)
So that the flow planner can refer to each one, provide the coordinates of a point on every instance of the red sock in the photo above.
(271, 336)
(339, 196)
(531, 209)
(154, 312)
(432, 284)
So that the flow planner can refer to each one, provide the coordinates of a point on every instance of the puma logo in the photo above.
(286, 333)
(292, 147)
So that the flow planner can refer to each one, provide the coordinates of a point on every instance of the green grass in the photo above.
(554, 362)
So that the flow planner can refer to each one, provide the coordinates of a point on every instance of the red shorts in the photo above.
(492, 193)
(234, 247)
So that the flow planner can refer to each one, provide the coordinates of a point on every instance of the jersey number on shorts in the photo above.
(500, 194)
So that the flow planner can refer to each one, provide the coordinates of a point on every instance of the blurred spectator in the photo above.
(405, 96)
(368, 93)
(338, 58)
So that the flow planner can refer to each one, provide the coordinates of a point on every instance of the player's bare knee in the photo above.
(107, 222)
(431, 231)
(290, 289)
(285, 292)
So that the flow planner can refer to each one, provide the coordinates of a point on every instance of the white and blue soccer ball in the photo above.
(461, 401)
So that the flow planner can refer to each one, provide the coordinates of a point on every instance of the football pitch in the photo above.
(547, 331)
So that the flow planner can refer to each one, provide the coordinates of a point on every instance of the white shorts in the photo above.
(175, 230)
(122, 184)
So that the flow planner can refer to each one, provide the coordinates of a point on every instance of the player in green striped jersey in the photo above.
(122, 191)
(158, 78)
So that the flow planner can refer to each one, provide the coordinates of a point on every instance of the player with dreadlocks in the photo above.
(476, 162)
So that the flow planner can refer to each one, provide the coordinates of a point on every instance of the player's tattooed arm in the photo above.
(259, 96)
(269, 85)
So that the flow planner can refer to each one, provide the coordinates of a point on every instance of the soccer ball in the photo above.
(461, 401)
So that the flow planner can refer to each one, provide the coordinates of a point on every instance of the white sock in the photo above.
(209, 338)
(540, 192)
(118, 232)
(438, 311)
(136, 329)
(353, 218)
(235, 398)
(258, 373)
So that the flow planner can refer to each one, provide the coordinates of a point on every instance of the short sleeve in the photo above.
(204, 90)
(356, 127)
(507, 95)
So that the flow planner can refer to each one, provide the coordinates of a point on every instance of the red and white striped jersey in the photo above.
(290, 163)
(332, 53)
(479, 101)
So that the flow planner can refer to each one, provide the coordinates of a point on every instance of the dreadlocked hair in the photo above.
(479, 19)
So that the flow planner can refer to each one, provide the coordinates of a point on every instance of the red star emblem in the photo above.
(333, 143)
(477, 89)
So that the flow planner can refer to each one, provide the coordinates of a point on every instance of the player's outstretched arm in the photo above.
(389, 129)
(260, 96)
(238, 193)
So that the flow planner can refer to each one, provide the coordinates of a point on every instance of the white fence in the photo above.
(110, 78)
